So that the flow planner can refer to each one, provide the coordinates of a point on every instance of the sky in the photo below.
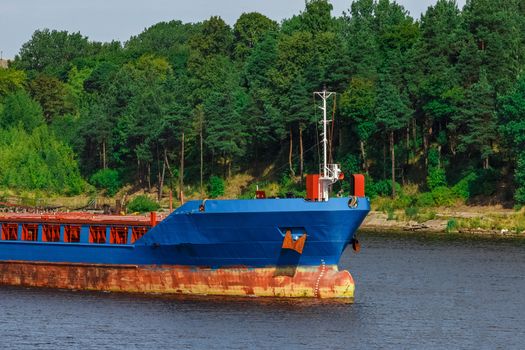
(106, 20)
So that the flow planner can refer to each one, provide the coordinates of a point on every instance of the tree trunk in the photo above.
(149, 177)
(393, 156)
(161, 177)
(439, 155)
(181, 175)
(414, 135)
(290, 164)
(408, 137)
(384, 160)
(407, 152)
(202, 159)
(486, 163)
(139, 172)
(301, 161)
(104, 163)
(427, 133)
(363, 156)
(340, 141)
(167, 165)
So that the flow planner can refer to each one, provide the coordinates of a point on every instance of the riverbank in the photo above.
(477, 221)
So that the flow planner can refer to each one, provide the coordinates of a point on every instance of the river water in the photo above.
(412, 291)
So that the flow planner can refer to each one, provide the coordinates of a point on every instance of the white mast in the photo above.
(329, 172)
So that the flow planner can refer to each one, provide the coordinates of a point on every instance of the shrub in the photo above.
(443, 196)
(38, 161)
(519, 196)
(425, 200)
(452, 225)
(381, 188)
(390, 213)
(107, 179)
(411, 212)
(428, 215)
(403, 201)
(433, 158)
(288, 186)
(519, 178)
(463, 188)
(485, 183)
(436, 178)
(215, 187)
(142, 204)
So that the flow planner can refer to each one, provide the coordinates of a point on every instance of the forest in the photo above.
(435, 103)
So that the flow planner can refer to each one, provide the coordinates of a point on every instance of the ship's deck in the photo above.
(77, 227)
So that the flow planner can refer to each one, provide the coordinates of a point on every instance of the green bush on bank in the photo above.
(215, 187)
(37, 160)
(443, 196)
(381, 188)
(463, 188)
(425, 200)
(412, 212)
(436, 178)
(107, 179)
(142, 204)
(290, 187)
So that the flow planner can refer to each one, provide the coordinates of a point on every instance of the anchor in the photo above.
(289, 243)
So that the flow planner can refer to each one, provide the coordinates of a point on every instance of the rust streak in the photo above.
(308, 282)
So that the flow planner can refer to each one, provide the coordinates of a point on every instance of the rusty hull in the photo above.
(322, 282)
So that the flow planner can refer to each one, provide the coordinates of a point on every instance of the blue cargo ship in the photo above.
(260, 247)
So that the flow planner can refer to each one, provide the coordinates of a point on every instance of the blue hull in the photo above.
(226, 233)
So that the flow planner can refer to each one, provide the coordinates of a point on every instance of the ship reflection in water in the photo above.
(414, 293)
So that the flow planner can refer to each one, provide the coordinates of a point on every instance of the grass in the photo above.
(406, 207)
(511, 222)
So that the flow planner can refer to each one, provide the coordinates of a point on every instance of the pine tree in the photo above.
(478, 118)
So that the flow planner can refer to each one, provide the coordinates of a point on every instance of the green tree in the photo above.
(166, 39)
(11, 80)
(37, 161)
(493, 42)
(249, 29)
(392, 114)
(75, 84)
(51, 52)
(358, 104)
(317, 17)
(224, 107)
(214, 38)
(512, 120)
(436, 81)
(259, 70)
(20, 109)
(101, 77)
(294, 54)
(478, 118)
(360, 35)
(52, 95)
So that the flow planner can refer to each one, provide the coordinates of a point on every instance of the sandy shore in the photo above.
(378, 221)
